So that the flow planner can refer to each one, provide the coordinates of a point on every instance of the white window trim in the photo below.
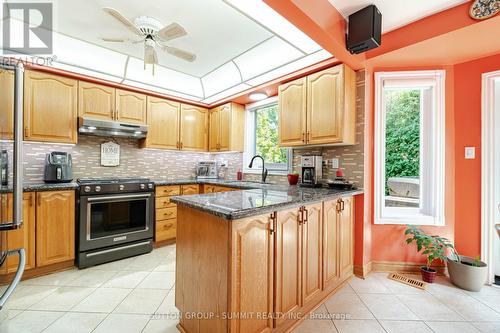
(434, 195)
(250, 140)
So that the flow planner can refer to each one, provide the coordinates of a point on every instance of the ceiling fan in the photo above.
(153, 34)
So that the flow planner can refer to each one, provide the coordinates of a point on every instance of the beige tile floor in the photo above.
(137, 295)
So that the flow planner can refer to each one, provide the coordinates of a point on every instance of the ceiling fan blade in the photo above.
(122, 19)
(188, 56)
(115, 40)
(172, 31)
(150, 55)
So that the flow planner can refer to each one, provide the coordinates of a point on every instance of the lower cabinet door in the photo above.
(55, 227)
(288, 293)
(252, 275)
(23, 237)
(331, 265)
(346, 235)
(312, 234)
(166, 230)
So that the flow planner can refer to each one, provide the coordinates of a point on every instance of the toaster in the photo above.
(58, 167)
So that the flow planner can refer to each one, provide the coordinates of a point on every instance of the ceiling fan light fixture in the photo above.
(257, 96)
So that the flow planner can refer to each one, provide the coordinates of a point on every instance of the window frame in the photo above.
(432, 161)
(250, 141)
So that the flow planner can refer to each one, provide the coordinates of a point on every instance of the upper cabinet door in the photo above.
(292, 106)
(325, 101)
(214, 137)
(163, 121)
(96, 101)
(130, 107)
(50, 108)
(194, 128)
(7, 104)
(224, 127)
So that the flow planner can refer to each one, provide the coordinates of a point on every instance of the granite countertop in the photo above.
(261, 199)
(41, 186)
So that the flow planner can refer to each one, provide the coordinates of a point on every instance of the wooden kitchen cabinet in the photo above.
(319, 109)
(55, 227)
(96, 101)
(165, 213)
(292, 98)
(215, 189)
(50, 108)
(190, 189)
(7, 104)
(252, 258)
(130, 107)
(23, 237)
(288, 293)
(163, 120)
(312, 249)
(193, 128)
(346, 237)
(227, 124)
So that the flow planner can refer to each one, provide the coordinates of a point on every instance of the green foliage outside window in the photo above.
(266, 135)
(402, 147)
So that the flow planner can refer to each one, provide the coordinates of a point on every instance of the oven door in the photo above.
(107, 220)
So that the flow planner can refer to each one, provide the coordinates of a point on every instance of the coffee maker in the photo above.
(312, 170)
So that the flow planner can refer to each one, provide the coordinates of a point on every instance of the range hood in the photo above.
(98, 127)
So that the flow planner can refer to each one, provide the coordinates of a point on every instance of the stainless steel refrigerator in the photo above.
(11, 146)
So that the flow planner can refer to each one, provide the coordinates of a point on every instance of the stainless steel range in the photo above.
(115, 219)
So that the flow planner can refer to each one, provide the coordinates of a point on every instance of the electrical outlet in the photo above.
(470, 153)
(224, 163)
(335, 163)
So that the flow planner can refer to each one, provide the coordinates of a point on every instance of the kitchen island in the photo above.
(260, 259)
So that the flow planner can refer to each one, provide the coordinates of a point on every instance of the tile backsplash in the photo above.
(134, 162)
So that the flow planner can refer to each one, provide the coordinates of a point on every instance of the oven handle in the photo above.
(126, 196)
(20, 270)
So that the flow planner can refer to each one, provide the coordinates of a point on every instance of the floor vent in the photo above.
(407, 280)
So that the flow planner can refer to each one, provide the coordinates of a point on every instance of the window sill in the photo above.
(411, 220)
(269, 172)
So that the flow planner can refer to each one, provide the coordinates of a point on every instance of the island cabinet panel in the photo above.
(50, 108)
(346, 236)
(55, 227)
(252, 259)
(130, 107)
(288, 293)
(163, 120)
(312, 233)
(292, 103)
(331, 265)
(96, 101)
(23, 237)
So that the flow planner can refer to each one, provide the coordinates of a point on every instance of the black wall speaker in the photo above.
(364, 30)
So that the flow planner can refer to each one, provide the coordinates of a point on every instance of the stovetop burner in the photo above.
(111, 180)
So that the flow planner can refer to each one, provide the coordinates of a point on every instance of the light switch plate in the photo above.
(335, 163)
(470, 153)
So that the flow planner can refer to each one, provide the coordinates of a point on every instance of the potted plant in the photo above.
(466, 272)
(293, 178)
(433, 247)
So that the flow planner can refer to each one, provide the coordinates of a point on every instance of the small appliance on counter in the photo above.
(4, 167)
(207, 170)
(312, 170)
(58, 167)
(340, 183)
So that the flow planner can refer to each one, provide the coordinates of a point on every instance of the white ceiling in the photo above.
(238, 44)
(396, 13)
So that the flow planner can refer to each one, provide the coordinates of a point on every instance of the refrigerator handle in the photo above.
(18, 145)
(20, 270)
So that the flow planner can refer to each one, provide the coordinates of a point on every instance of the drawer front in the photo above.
(162, 191)
(166, 213)
(190, 189)
(164, 202)
(166, 230)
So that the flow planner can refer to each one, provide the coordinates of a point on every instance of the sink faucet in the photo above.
(264, 170)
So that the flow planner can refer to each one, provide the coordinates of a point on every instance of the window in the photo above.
(262, 138)
(409, 147)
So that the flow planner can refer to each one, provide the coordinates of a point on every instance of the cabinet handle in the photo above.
(300, 216)
(306, 212)
(304, 137)
(168, 226)
(272, 223)
(337, 206)
(307, 136)
(342, 205)
(167, 214)
(26, 132)
(182, 146)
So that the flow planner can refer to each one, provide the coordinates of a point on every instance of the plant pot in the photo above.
(428, 275)
(293, 178)
(466, 276)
